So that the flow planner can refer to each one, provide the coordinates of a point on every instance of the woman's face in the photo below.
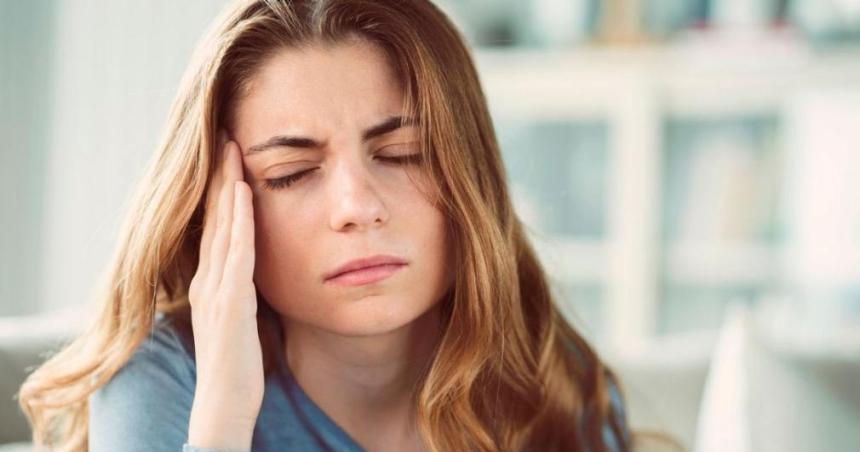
(322, 114)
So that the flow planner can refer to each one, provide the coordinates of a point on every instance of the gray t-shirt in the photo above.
(147, 404)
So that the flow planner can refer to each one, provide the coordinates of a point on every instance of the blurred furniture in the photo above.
(24, 343)
(772, 390)
(663, 385)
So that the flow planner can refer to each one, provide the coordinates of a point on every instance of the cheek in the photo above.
(282, 236)
(427, 228)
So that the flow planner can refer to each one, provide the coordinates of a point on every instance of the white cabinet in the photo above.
(653, 178)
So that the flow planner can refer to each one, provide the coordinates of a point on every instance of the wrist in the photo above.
(209, 429)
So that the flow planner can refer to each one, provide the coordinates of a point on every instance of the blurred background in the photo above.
(689, 171)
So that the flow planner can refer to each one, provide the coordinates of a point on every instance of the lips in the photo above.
(365, 263)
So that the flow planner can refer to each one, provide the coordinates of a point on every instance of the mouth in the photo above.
(366, 275)
(365, 271)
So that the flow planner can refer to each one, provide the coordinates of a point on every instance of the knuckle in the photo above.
(196, 289)
(193, 289)
(236, 243)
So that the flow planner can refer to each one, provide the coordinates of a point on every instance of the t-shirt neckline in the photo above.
(317, 420)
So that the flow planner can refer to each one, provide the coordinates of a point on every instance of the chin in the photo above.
(371, 315)
(374, 315)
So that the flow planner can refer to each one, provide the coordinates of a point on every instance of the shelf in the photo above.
(571, 260)
(691, 79)
(713, 264)
(751, 264)
(578, 260)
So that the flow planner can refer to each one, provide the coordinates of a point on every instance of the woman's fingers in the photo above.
(220, 242)
(239, 265)
(210, 216)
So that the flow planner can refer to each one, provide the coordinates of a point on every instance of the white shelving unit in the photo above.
(635, 91)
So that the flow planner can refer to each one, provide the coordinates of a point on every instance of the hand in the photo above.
(223, 300)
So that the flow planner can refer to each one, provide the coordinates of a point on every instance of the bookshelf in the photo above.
(641, 256)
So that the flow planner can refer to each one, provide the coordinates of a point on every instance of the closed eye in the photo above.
(286, 181)
(401, 159)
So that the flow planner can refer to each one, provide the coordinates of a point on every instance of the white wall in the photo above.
(25, 70)
(117, 67)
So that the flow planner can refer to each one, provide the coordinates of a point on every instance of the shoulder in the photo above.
(147, 403)
(166, 352)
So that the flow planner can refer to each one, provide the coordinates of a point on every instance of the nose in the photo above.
(355, 201)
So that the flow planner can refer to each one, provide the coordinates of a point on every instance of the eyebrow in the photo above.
(389, 125)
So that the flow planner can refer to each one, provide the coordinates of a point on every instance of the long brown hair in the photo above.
(509, 372)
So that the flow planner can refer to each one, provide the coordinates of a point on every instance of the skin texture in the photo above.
(357, 351)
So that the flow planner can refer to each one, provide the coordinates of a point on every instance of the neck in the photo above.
(365, 384)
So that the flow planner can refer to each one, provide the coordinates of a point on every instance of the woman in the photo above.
(324, 256)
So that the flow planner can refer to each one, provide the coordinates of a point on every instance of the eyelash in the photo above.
(286, 181)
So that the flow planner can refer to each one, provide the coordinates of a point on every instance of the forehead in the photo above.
(317, 85)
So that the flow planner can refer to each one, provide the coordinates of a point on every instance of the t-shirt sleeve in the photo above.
(147, 404)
